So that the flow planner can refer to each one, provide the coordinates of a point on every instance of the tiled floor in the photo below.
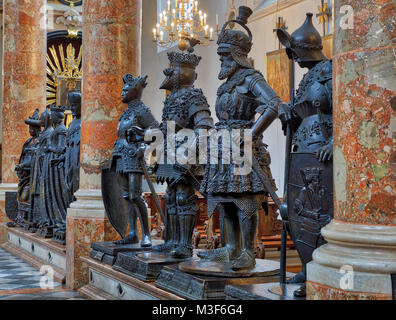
(19, 281)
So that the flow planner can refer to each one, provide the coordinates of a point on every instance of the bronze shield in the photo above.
(309, 201)
(115, 205)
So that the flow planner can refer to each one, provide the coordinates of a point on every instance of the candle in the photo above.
(173, 26)
(217, 20)
(162, 36)
(161, 18)
(206, 31)
(169, 5)
(155, 34)
(211, 33)
(196, 5)
(166, 20)
(205, 15)
(174, 13)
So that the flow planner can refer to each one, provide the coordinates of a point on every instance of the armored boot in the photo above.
(185, 248)
(146, 238)
(301, 292)
(171, 237)
(299, 277)
(246, 259)
(132, 237)
(233, 238)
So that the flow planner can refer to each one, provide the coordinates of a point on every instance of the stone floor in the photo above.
(19, 281)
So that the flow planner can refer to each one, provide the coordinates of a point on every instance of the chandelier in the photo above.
(180, 24)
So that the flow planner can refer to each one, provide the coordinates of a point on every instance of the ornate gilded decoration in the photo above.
(64, 74)
(324, 15)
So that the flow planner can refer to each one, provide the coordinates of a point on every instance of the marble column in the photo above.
(111, 48)
(24, 83)
(359, 261)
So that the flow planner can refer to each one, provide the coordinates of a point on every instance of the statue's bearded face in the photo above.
(228, 66)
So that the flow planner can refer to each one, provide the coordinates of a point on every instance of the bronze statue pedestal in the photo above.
(107, 252)
(264, 291)
(145, 266)
(210, 278)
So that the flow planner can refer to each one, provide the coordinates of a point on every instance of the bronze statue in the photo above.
(72, 157)
(24, 169)
(40, 201)
(122, 183)
(244, 93)
(187, 108)
(308, 124)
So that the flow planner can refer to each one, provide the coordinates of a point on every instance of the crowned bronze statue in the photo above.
(187, 108)
(239, 196)
(24, 170)
(307, 123)
(122, 183)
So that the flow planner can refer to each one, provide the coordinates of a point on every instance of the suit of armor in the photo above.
(307, 122)
(244, 94)
(127, 153)
(187, 108)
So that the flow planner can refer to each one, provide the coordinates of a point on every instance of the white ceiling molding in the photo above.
(261, 12)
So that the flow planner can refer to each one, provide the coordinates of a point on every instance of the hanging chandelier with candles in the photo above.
(181, 23)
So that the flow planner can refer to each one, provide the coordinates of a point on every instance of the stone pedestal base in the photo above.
(145, 266)
(4, 187)
(266, 291)
(107, 252)
(106, 283)
(37, 251)
(201, 287)
(85, 223)
(357, 263)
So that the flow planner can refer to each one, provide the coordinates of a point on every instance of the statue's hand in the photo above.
(284, 116)
(325, 153)
(140, 152)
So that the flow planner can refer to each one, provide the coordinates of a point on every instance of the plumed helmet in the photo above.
(34, 120)
(305, 42)
(237, 42)
(132, 81)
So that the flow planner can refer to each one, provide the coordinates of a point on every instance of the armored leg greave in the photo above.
(232, 238)
(248, 225)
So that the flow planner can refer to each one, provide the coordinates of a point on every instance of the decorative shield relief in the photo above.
(309, 201)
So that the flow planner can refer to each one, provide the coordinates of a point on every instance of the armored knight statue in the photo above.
(122, 183)
(24, 170)
(187, 108)
(72, 157)
(307, 122)
(244, 93)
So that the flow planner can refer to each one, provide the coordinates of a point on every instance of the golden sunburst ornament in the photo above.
(64, 74)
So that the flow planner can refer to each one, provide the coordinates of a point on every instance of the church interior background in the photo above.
(55, 47)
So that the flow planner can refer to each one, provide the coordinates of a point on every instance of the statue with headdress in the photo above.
(308, 125)
(72, 156)
(122, 182)
(185, 107)
(237, 194)
(24, 170)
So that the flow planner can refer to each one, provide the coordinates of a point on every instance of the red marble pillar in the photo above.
(24, 82)
(111, 48)
(360, 257)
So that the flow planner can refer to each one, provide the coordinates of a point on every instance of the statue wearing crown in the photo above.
(185, 107)
(308, 124)
(237, 194)
(122, 182)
